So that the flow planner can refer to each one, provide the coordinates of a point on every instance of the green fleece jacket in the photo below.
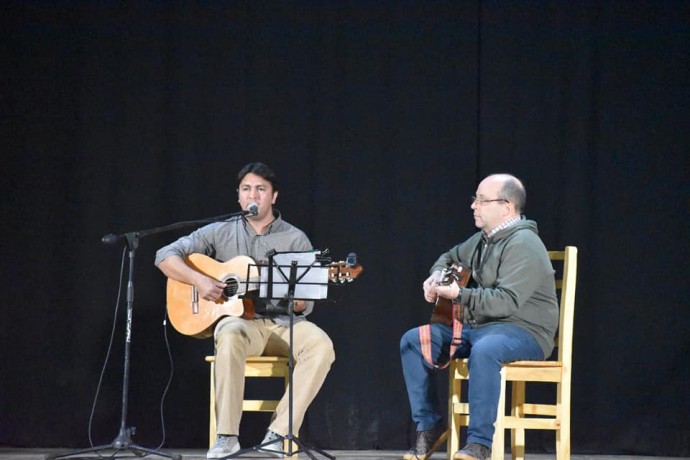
(512, 281)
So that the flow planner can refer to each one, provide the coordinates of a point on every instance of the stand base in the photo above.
(120, 444)
(301, 448)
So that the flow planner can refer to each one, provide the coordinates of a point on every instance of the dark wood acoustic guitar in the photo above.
(443, 309)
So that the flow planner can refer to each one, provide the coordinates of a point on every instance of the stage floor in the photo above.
(9, 453)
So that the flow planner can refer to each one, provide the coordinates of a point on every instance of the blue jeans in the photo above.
(487, 347)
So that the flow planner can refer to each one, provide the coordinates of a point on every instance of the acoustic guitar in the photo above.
(443, 309)
(196, 317)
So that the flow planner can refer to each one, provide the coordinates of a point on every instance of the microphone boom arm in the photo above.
(132, 237)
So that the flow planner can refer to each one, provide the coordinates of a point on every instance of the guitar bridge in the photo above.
(195, 301)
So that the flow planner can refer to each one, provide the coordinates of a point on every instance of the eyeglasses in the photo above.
(483, 201)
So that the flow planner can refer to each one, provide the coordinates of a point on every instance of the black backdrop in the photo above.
(380, 118)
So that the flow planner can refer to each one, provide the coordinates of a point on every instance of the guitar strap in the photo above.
(425, 338)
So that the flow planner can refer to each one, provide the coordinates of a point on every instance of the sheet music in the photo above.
(312, 279)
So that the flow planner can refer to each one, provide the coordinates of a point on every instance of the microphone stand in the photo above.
(123, 440)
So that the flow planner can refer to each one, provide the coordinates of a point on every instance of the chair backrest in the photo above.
(566, 280)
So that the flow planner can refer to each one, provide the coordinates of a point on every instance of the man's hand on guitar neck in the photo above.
(432, 288)
(299, 306)
(430, 285)
(450, 291)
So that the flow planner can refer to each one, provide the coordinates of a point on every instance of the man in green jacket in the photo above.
(509, 313)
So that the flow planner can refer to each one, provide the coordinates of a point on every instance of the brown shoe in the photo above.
(428, 441)
(473, 451)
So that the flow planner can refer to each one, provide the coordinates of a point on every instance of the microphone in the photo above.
(110, 238)
(351, 259)
(252, 209)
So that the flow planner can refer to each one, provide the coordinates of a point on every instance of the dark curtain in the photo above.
(380, 119)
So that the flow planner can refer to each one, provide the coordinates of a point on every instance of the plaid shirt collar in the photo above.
(508, 223)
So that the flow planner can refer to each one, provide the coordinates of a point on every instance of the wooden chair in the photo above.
(257, 366)
(524, 415)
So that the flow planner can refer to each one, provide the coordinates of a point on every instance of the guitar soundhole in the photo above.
(231, 288)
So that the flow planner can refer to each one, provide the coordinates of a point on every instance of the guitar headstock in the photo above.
(447, 276)
(459, 274)
(342, 272)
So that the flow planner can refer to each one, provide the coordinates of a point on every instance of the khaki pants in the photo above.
(237, 338)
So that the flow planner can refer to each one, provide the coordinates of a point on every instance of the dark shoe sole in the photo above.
(460, 456)
(441, 439)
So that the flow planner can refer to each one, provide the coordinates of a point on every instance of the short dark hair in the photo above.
(260, 170)
(514, 191)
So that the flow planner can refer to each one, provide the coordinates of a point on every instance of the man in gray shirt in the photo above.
(237, 337)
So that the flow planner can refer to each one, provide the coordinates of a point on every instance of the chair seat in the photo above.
(262, 366)
(534, 364)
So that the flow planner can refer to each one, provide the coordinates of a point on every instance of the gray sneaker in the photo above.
(473, 451)
(272, 444)
(224, 446)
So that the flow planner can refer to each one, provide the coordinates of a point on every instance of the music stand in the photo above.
(290, 276)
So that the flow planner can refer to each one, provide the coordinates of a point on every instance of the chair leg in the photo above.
(454, 392)
(563, 432)
(212, 409)
(498, 448)
(517, 435)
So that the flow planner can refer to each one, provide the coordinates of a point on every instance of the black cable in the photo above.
(110, 348)
(172, 372)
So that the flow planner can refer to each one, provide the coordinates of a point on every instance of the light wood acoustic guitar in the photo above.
(196, 317)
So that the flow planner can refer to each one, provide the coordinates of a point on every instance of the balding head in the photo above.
(499, 198)
(511, 190)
